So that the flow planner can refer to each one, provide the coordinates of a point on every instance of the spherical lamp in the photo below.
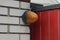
(30, 17)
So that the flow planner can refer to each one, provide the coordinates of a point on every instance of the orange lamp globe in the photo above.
(30, 17)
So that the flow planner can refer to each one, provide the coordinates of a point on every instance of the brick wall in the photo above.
(11, 25)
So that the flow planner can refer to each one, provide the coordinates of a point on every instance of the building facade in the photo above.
(12, 26)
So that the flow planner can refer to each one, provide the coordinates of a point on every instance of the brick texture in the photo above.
(11, 25)
(3, 28)
(20, 29)
(3, 11)
(9, 37)
(17, 12)
(25, 5)
(9, 20)
(10, 3)
(24, 37)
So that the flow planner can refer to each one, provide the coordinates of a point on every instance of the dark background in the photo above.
(24, 0)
